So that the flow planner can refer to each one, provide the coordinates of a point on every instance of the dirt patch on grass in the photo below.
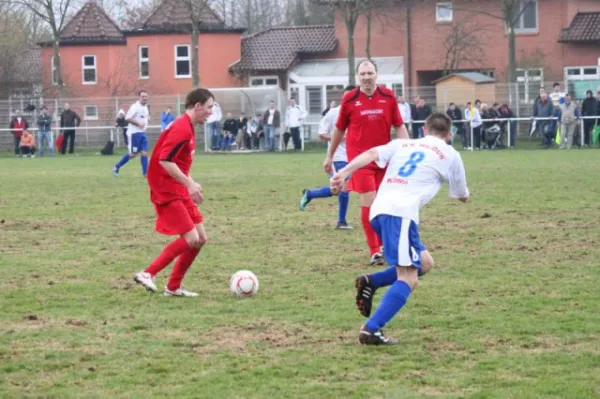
(265, 334)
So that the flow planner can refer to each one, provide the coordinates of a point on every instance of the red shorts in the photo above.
(177, 217)
(366, 180)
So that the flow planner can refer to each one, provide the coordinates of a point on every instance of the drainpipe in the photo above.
(408, 46)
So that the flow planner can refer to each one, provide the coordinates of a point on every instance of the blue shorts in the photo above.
(401, 241)
(137, 143)
(337, 166)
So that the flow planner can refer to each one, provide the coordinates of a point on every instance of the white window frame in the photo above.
(53, 68)
(141, 60)
(263, 79)
(537, 20)
(322, 90)
(87, 117)
(188, 59)
(527, 81)
(443, 4)
(581, 75)
(85, 67)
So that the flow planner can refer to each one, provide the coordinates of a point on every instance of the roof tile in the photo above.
(173, 13)
(278, 48)
(584, 28)
(91, 24)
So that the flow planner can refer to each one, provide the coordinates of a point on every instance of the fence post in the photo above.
(508, 133)
(178, 104)
(472, 144)
(87, 138)
(581, 128)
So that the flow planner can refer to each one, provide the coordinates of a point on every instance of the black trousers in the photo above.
(69, 136)
(296, 138)
(17, 140)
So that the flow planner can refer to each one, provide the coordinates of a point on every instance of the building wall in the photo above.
(537, 49)
(118, 71)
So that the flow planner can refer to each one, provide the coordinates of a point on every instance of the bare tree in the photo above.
(54, 14)
(463, 46)
(509, 12)
(136, 14)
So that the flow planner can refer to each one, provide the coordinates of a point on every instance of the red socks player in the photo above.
(175, 196)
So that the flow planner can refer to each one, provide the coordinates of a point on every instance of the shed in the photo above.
(462, 87)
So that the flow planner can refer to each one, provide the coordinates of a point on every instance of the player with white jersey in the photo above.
(340, 160)
(137, 116)
(416, 170)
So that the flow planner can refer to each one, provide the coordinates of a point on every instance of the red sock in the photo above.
(372, 237)
(167, 255)
(181, 266)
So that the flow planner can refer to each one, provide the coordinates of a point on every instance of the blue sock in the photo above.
(391, 303)
(122, 161)
(385, 277)
(322, 192)
(144, 162)
(343, 200)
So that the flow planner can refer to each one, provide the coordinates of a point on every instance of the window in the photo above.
(90, 113)
(313, 99)
(443, 11)
(264, 81)
(89, 69)
(334, 93)
(582, 73)
(398, 89)
(183, 68)
(527, 20)
(144, 62)
(54, 71)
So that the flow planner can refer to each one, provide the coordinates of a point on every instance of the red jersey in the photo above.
(176, 144)
(369, 119)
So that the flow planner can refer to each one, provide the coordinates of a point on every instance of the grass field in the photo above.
(511, 309)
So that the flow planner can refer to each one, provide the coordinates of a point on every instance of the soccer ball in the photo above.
(243, 283)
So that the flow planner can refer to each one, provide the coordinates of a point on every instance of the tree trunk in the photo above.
(512, 56)
(195, 66)
(408, 81)
(350, 24)
(59, 80)
(368, 48)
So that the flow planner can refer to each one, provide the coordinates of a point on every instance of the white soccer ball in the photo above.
(243, 283)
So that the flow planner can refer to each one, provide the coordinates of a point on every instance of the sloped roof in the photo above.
(584, 28)
(175, 13)
(474, 77)
(278, 48)
(91, 25)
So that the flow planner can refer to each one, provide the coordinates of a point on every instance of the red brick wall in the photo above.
(389, 38)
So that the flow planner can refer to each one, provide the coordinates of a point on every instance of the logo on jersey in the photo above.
(382, 102)
(357, 104)
(396, 180)
(377, 111)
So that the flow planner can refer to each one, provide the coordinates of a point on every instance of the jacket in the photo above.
(44, 121)
(231, 126)
(27, 140)
(69, 119)
(276, 118)
(18, 127)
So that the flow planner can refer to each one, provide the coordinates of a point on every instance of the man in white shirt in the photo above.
(138, 117)
(294, 117)
(213, 127)
(416, 170)
(340, 160)
(404, 108)
(472, 114)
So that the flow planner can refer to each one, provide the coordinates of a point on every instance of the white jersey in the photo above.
(415, 173)
(139, 113)
(326, 127)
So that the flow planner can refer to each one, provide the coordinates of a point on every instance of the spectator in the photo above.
(405, 111)
(473, 115)
(455, 114)
(27, 144)
(413, 114)
(544, 109)
(294, 117)
(69, 120)
(569, 115)
(557, 96)
(329, 106)
(423, 112)
(44, 123)
(213, 126)
(588, 108)
(230, 130)
(166, 117)
(121, 125)
(17, 125)
(271, 123)
(243, 140)
(253, 132)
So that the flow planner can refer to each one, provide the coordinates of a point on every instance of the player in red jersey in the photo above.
(368, 113)
(175, 195)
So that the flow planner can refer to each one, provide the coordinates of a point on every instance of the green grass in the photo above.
(511, 309)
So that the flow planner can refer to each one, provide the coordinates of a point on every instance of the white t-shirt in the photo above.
(415, 173)
(271, 116)
(294, 116)
(326, 127)
(139, 113)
